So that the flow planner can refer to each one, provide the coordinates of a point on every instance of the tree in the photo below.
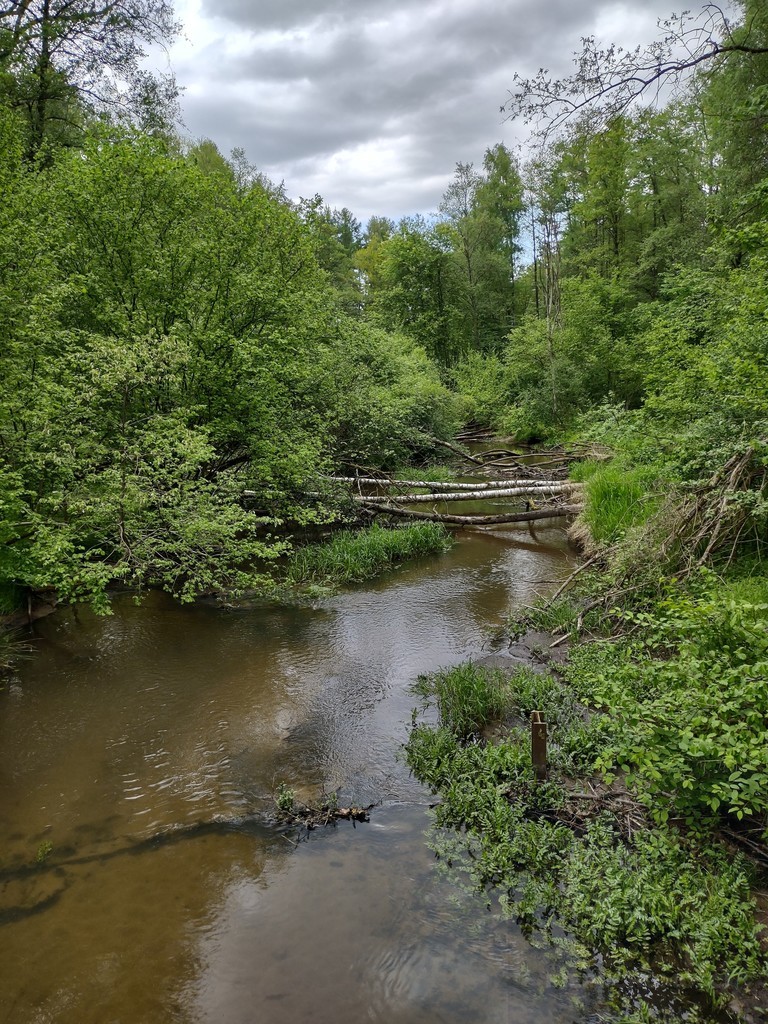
(480, 227)
(501, 198)
(412, 297)
(337, 236)
(160, 354)
(368, 258)
(61, 59)
(206, 155)
(608, 81)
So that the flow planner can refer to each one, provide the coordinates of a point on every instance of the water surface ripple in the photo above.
(145, 748)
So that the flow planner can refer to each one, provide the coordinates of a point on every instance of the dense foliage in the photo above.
(642, 330)
(169, 342)
(185, 355)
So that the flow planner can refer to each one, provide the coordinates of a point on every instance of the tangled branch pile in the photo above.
(728, 511)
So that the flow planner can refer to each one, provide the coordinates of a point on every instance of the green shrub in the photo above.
(687, 700)
(659, 895)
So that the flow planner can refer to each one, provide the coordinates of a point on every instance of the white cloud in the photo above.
(373, 104)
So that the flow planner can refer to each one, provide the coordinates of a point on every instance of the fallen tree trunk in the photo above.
(556, 511)
(536, 490)
(457, 451)
(451, 485)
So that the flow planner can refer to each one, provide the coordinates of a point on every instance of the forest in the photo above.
(177, 331)
(187, 354)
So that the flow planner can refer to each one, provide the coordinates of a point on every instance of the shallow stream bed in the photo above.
(141, 880)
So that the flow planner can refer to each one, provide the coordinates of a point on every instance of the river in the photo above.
(141, 879)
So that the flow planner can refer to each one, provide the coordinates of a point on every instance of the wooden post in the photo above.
(539, 746)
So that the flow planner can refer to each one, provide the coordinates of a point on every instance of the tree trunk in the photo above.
(546, 489)
(557, 511)
(451, 485)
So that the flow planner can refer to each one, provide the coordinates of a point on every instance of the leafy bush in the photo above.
(687, 700)
(380, 399)
(480, 379)
(657, 895)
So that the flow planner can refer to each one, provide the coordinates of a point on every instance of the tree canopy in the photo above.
(61, 59)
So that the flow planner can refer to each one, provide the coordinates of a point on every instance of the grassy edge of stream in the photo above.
(647, 845)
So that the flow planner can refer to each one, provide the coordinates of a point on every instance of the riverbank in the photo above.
(582, 853)
(647, 841)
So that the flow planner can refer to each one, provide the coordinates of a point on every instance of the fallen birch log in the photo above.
(480, 485)
(546, 490)
(554, 512)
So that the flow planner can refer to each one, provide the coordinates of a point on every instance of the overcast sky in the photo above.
(372, 104)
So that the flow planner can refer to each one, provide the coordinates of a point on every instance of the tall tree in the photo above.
(412, 298)
(608, 81)
(481, 223)
(62, 58)
(337, 236)
(501, 198)
(368, 258)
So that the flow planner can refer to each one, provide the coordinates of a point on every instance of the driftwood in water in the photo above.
(437, 485)
(476, 434)
(323, 814)
(553, 512)
(535, 490)
(490, 454)
(451, 485)
(458, 451)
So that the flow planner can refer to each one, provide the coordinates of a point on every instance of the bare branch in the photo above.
(612, 79)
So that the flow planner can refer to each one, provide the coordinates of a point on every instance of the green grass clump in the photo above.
(467, 697)
(617, 498)
(544, 616)
(354, 557)
(12, 648)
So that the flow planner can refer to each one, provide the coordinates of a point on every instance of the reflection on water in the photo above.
(144, 748)
(360, 931)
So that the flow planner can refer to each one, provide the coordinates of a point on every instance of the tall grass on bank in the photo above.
(12, 648)
(467, 697)
(354, 557)
(617, 498)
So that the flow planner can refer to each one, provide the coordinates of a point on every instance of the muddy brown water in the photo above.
(140, 753)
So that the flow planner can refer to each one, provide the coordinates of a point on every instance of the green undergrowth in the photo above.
(684, 686)
(675, 903)
(354, 557)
